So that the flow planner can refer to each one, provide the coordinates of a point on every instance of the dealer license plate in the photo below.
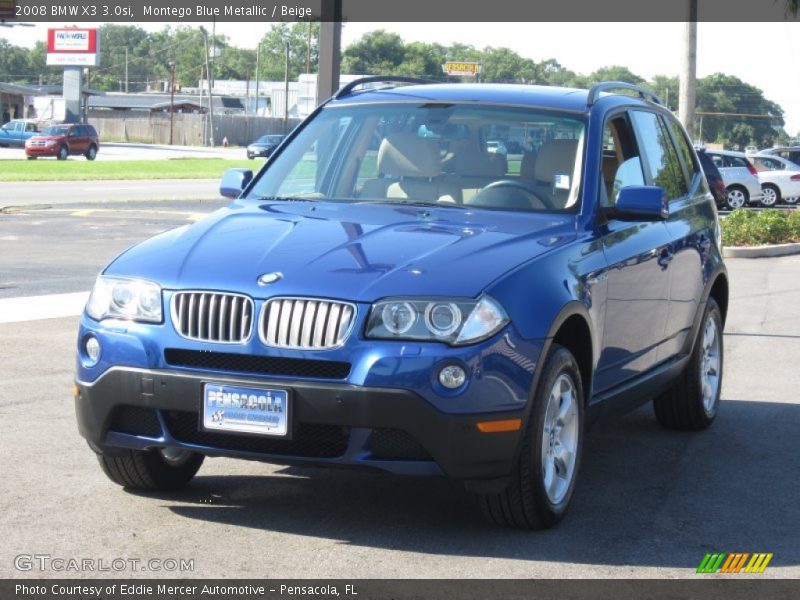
(260, 411)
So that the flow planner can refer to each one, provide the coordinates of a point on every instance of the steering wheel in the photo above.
(527, 189)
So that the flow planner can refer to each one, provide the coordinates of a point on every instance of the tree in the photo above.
(616, 73)
(273, 50)
(377, 53)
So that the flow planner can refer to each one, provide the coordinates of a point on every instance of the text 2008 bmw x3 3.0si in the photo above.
(388, 293)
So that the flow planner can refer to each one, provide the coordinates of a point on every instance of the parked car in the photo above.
(363, 308)
(62, 141)
(740, 177)
(779, 177)
(714, 178)
(16, 132)
(264, 146)
(791, 153)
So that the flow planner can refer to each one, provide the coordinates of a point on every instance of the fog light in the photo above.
(452, 377)
(93, 350)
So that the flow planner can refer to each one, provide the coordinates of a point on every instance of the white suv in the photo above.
(740, 177)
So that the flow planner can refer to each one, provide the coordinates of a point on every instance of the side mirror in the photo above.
(234, 181)
(642, 203)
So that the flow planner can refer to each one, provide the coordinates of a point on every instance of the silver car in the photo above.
(740, 177)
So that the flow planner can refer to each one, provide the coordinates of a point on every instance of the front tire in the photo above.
(736, 197)
(692, 403)
(151, 470)
(543, 478)
(63, 152)
(771, 195)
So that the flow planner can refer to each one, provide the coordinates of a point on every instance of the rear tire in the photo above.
(150, 470)
(543, 478)
(692, 402)
(91, 153)
(63, 152)
(736, 197)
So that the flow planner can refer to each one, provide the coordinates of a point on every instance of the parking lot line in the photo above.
(34, 308)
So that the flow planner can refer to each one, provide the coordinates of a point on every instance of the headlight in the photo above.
(131, 299)
(50, 143)
(452, 321)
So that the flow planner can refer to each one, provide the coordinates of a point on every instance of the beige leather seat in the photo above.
(409, 167)
(474, 170)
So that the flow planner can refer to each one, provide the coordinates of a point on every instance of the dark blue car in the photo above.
(388, 293)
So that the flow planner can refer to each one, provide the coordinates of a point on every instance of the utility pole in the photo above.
(330, 44)
(126, 69)
(171, 100)
(688, 80)
(258, 71)
(308, 50)
(208, 82)
(286, 92)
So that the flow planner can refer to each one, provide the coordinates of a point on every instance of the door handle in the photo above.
(665, 258)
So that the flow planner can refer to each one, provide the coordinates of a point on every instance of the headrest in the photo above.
(408, 155)
(527, 167)
(555, 156)
(473, 163)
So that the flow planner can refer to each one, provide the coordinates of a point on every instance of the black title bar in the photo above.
(442, 11)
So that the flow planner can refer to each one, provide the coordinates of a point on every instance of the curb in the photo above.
(760, 251)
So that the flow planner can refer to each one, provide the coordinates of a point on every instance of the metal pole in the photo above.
(171, 100)
(286, 92)
(126, 69)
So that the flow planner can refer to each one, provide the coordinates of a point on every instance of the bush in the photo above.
(745, 227)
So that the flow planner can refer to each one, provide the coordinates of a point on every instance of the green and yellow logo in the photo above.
(734, 562)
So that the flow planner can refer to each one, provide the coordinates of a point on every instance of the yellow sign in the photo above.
(462, 69)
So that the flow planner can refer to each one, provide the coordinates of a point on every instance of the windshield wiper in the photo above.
(415, 203)
(285, 199)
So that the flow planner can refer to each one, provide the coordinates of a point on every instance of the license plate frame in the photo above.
(245, 410)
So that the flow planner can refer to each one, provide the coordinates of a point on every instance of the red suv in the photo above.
(62, 140)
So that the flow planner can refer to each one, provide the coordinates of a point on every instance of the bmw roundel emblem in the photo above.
(268, 278)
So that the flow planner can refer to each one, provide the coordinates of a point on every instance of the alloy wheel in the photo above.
(560, 438)
(710, 366)
(736, 198)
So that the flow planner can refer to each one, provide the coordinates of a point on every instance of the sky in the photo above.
(766, 55)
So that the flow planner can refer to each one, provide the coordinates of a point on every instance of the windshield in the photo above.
(270, 139)
(444, 154)
(56, 131)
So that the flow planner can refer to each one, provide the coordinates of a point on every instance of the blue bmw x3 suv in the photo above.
(389, 292)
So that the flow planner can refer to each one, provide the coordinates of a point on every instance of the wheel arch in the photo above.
(572, 330)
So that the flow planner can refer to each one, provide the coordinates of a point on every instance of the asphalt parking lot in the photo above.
(649, 502)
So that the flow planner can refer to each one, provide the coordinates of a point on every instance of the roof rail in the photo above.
(604, 86)
(348, 88)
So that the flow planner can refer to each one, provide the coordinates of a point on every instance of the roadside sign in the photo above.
(461, 69)
(72, 46)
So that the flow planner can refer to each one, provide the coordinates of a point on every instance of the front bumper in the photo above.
(42, 150)
(332, 424)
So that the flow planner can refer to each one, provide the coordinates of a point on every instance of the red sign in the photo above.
(72, 40)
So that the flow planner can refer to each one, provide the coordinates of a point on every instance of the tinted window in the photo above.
(735, 161)
(684, 148)
(660, 155)
(90, 131)
(768, 164)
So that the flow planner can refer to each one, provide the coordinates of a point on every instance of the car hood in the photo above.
(360, 252)
(46, 138)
